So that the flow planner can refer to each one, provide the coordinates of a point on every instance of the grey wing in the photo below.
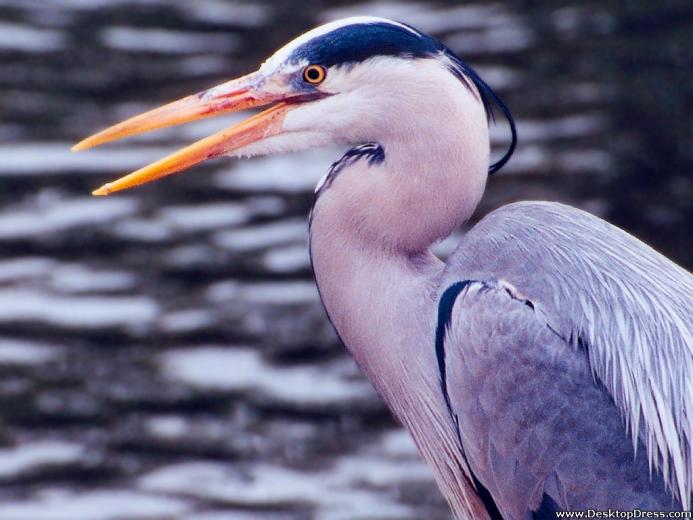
(608, 296)
(538, 432)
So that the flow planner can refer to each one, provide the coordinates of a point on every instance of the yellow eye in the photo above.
(314, 74)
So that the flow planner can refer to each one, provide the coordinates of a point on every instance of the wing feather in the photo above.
(530, 417)
(631, 306)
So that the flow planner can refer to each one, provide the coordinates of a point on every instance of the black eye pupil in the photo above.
(313, 74)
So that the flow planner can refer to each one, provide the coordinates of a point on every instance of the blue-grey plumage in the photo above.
(566, 334)
(549, 364)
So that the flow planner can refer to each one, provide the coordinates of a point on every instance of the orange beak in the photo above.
(235, 95)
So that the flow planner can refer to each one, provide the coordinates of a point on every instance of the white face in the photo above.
(370, 101)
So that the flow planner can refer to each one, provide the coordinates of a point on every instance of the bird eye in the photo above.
(314, 74)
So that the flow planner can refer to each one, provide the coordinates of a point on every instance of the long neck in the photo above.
(382, 304)
(370, 236)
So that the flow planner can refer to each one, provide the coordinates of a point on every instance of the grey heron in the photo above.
(548, 364)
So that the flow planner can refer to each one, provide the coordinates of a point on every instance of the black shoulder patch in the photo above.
(358, 42)
(445, 306)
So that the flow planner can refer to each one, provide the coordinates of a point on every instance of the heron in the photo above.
(547, 365)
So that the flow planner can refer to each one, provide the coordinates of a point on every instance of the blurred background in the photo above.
(163, 353)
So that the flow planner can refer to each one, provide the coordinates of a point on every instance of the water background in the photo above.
(163, 353)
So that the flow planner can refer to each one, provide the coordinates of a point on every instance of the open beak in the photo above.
(238, 94)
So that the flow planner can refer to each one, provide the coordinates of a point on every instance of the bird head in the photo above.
(343, 82)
